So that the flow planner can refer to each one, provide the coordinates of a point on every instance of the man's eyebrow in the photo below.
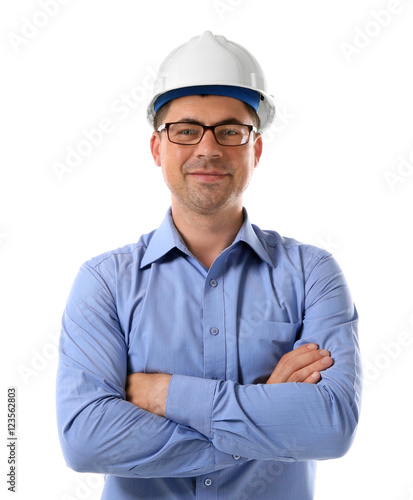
(222, 122)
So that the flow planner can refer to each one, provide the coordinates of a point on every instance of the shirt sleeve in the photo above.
(291, 421)
(98, 429)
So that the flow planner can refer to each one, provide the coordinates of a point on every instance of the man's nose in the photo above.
(208, 145)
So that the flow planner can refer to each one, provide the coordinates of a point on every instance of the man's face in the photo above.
(206, 177)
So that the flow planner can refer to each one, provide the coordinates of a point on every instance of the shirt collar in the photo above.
(248, 236)
(166, 237)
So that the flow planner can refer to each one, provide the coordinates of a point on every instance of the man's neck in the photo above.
(207, 235)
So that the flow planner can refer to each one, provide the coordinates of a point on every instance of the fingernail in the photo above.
(326, 361)
(324, 352)
(312, 347)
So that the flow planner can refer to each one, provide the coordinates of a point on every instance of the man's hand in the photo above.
(303, 364)
(148, 391)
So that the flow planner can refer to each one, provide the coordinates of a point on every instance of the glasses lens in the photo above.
(185, 133)
(232, 134)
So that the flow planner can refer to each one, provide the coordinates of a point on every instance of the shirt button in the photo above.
(214, 331)
(236, 457)
(213, 283)
(208, 482)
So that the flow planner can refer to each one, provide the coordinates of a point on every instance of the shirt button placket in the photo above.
(213, 325)
(207, 487)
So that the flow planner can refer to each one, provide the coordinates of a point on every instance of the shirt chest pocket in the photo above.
(260, 345)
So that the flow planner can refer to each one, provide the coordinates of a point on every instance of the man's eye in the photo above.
(187, 131)
(229, 132)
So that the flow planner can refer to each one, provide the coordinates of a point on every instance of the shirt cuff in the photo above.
(190, 401)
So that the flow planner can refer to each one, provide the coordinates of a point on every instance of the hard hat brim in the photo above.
(265, 110)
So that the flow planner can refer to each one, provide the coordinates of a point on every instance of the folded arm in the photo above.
(99, 430)
(149, 391)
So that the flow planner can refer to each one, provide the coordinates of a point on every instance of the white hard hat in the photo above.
(209, 64)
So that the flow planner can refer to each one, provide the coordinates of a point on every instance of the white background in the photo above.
(328, 176)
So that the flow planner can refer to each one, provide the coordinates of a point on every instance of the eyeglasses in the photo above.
(189, 134)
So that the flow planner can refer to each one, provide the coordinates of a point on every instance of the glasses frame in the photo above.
(251, 128)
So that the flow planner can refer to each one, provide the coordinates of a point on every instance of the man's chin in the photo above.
(209, 207)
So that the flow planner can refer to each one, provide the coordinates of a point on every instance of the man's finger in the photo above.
(307, 372)
(313, 378)
(299, 364)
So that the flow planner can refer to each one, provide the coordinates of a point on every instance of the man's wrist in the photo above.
(159, 394)
(148, 391)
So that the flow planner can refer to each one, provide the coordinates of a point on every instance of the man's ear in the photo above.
(257, 149)
(156, 148)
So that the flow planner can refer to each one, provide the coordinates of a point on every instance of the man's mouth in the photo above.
(208, 175)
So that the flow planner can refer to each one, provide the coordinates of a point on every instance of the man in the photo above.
(211, 359)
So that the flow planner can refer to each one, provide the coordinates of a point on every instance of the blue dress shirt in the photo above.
(153, 307)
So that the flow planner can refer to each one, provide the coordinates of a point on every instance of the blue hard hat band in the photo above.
(248, 96)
